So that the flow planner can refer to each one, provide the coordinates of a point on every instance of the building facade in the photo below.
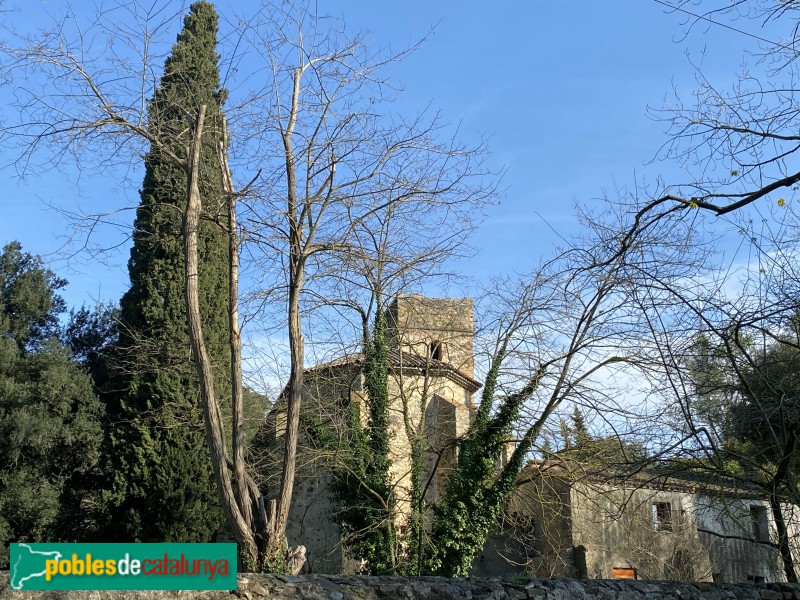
(560, 522)
(574, 523)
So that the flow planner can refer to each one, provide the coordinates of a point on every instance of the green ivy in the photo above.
(476, 494)
(362, 486)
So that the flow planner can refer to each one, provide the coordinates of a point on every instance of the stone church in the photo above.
(431, 389)
(562, 521)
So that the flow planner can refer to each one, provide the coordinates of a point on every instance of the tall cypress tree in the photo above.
(163, 487)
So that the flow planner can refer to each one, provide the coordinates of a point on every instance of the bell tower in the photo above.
(438, 329)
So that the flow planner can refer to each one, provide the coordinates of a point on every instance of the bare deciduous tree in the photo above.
(728, 346)
(335, 165)
(738, 143)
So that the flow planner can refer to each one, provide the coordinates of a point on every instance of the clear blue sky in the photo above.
(560, 89)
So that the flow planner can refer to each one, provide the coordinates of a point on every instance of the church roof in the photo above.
(406, 362)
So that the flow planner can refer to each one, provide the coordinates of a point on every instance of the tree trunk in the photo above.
(781, 473)
(237, 402)
(211, 414)
(295, 394)
(783, 538)
(296, 342)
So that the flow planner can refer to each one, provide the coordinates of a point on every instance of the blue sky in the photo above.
(560, 90)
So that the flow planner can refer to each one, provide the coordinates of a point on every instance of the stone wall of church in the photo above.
(416, 322)
(425, 407)
(535, 533)
(431, 410)
(312, 520)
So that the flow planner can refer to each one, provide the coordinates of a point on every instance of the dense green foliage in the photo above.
(767, 416)
(163, 488)
(749, 395)
(476, 493)
(362, 486)
(50, 419)
(92, 336)
(30, 305)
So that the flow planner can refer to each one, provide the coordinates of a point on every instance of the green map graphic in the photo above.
(27, 563)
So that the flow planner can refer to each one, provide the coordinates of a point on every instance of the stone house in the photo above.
(559, 522)
(570, 522)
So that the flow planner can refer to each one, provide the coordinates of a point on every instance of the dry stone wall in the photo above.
(320, 587)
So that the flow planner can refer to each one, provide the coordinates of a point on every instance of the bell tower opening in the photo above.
(439, 329)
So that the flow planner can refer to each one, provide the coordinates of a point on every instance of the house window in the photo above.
(758, 518)
(437, 352)
(623, 573)
(662, 516)
(756, 578)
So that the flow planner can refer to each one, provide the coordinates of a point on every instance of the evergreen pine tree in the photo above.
(546, 448)
(50, 419)
(580, 435)
(163, 487)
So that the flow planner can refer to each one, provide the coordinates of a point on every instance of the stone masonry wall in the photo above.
(278, 587)
(414, 322)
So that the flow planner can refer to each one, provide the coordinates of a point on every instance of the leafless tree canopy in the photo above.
(343, 194)
(737, 142)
